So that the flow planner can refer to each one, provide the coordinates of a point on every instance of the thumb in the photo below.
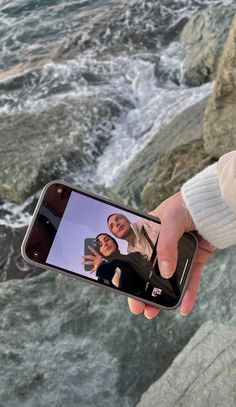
(167, 248)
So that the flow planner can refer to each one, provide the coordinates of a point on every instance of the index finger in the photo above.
(93, 251)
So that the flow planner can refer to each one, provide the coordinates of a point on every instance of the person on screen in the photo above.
(131, 272)
(113, 268)
(141, 235)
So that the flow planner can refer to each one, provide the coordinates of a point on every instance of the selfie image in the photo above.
(111, 246)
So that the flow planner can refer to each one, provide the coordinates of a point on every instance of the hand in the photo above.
(94, 260)
(175, 220)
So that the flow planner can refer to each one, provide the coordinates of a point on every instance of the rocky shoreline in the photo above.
(194, 139)
(25, 170)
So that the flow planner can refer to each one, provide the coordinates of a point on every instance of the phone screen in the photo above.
(103, 242)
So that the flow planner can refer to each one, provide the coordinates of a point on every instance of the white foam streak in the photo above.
(16, 216)
(140, 126)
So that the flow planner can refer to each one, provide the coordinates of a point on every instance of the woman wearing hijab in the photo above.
(131, 272)
(117, 269)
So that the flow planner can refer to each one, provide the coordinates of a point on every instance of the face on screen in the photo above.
(101, 242)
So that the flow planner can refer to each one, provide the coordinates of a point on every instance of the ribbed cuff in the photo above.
(212, 216)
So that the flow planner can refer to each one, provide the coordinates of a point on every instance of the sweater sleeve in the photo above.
(210, 197)
(226, 168)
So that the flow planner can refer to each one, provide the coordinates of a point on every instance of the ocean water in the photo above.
(96, 51)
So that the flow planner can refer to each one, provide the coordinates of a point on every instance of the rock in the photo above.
(108, 193)
(184, 128)
(174, 168)
(128, 26)
(47, 144)
(202, 375)
(204, 36)
(219, 117)
(60, 338)
(12, 264)
(168, 69)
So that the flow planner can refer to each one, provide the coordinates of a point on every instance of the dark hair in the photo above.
(111, 237)
(110, 216)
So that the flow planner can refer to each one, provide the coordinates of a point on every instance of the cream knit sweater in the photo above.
(210, 197)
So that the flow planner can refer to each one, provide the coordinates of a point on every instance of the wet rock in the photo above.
(185, 128)
(59, 338)
(203, 374)
(128, 26)
(204, 36)
(53, 142)
(12, 265)
(173, 169)
(219, 117)
(108, 193)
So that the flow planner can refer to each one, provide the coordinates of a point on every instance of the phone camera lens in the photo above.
(36, 254)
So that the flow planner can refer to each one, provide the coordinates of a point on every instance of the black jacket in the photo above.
(136, 272)
(130, 280)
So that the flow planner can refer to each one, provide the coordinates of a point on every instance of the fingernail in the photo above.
(183, 314)
(165, 269)
(148, 316)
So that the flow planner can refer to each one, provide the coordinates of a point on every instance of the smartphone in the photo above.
(95, 244)
(126, 240)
